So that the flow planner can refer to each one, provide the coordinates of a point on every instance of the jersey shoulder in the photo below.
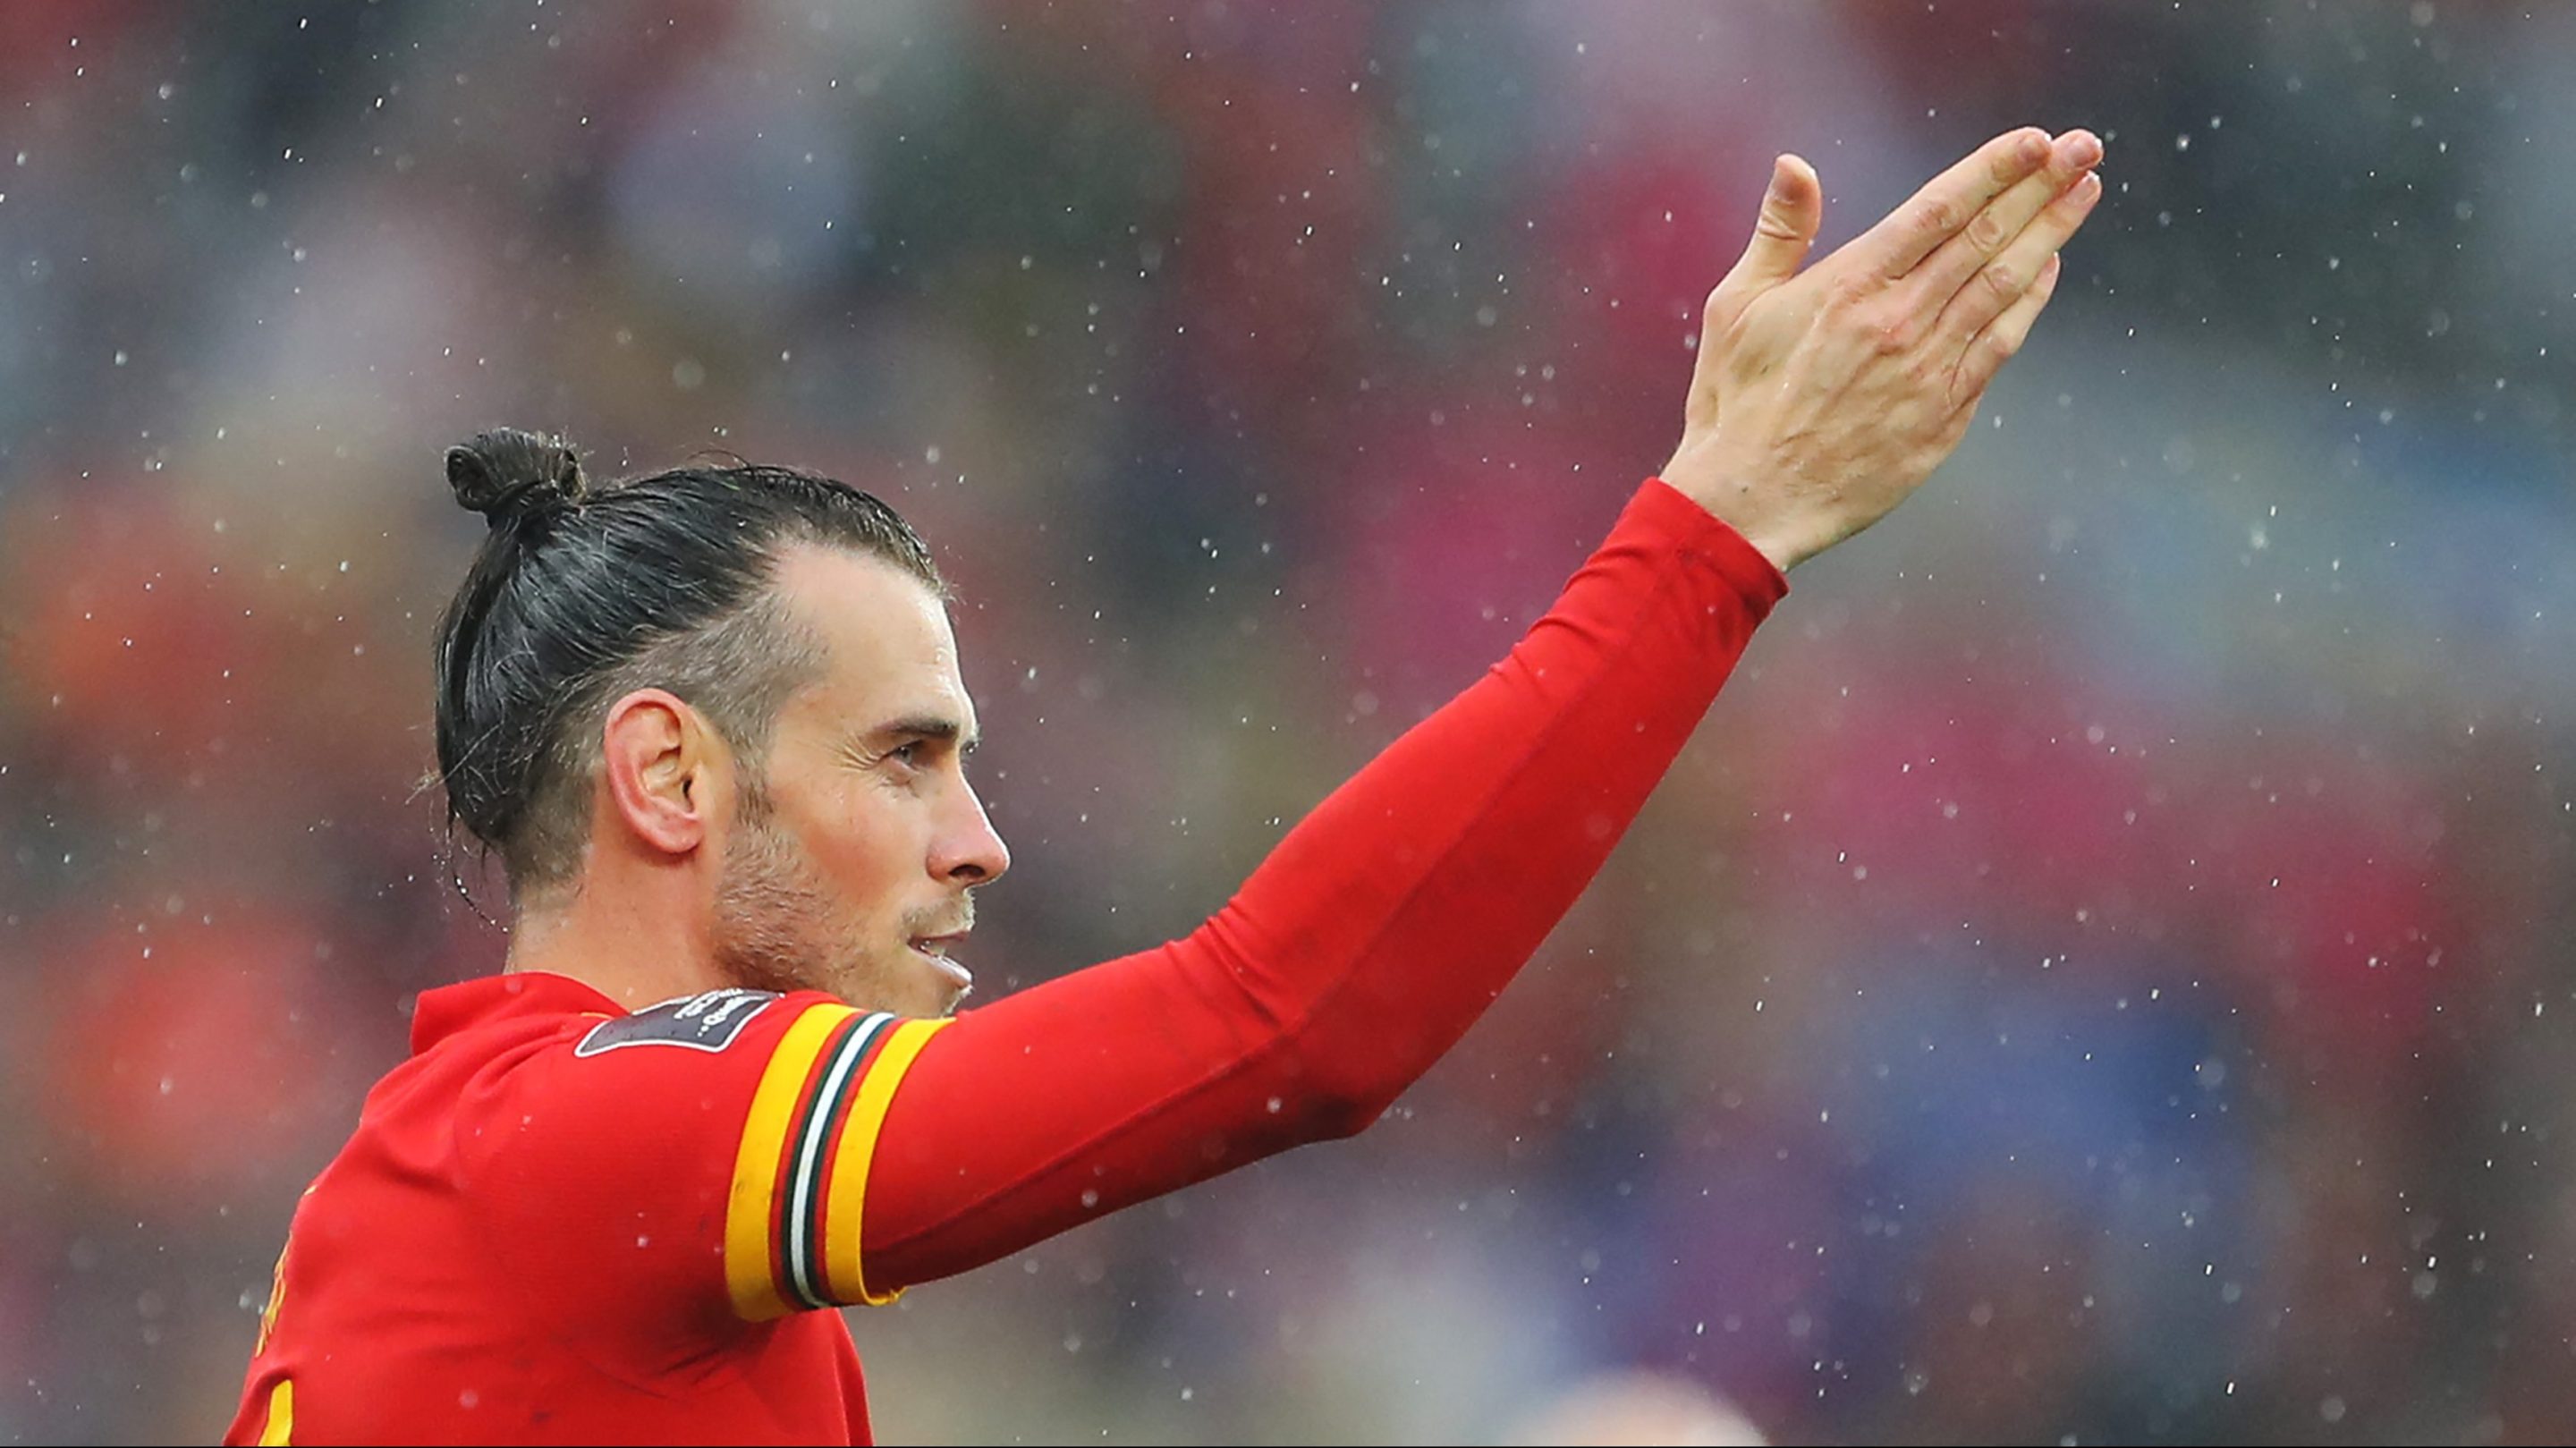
(685, 1068)
(714, 1148)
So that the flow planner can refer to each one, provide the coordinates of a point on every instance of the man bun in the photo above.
(507, 474)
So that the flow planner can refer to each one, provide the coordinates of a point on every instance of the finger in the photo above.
(2002, 338)
(1948, 268)
(2000, 283)
(1792, 209)
(1934, 214)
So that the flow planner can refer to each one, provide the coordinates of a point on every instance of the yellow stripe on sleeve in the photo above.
(281, 1413)
(858, 1149)
(751, 1209)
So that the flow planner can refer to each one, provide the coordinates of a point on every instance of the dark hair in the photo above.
(581, 596)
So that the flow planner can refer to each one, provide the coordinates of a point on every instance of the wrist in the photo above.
(1783, 554)
(1725, 491)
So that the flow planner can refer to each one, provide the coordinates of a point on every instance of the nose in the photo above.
(968, 850)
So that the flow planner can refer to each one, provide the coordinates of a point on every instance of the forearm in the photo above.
(1356, 954)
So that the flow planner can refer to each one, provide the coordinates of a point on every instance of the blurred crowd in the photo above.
(2103, 970)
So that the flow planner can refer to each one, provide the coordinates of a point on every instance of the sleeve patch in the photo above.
(708, 1022)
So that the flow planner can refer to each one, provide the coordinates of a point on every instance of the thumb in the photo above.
(1793, 209)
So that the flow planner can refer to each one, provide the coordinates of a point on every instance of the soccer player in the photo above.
(712, 721)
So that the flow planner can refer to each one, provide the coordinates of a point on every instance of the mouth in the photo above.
(935, 948)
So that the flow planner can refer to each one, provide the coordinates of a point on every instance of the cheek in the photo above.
(870, 845)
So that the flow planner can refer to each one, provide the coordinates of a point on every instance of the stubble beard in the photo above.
(776, 927)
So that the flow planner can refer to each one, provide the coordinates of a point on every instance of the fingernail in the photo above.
(2033, 146)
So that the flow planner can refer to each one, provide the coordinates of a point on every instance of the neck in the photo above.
(624, 949)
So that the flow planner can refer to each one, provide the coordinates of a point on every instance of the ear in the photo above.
(655, 757)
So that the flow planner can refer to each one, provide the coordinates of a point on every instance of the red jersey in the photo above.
(558, 1222)
(560, 1219)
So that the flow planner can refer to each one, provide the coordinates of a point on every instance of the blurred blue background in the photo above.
(2103, 970)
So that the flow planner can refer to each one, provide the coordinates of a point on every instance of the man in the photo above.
(712, 721)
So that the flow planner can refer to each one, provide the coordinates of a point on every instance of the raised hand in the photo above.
(1822, 399)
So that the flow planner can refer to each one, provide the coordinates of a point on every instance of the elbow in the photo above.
(1348, 1116)
(1342, 1102)
(1326, 1074)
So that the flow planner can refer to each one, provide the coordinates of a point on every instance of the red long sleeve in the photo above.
(1355, 955)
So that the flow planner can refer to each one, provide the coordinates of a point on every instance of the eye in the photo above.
(908, 755)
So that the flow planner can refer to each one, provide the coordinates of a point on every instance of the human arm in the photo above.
(1386, 922)
(1378, 931)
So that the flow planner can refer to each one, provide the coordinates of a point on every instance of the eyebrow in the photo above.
(928, 726)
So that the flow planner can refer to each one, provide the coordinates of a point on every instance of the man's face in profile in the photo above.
(848, 866)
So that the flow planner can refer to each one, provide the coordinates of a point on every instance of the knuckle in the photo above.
(1844, 306)
(1986, 233)
(1937, 217)
(1847, 291)
(1979, 368)
(2004, 281)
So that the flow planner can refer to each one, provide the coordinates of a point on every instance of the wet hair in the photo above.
(582, 595)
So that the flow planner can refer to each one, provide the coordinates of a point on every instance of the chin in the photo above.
(951, 997)
(932, 999)
(902, 986)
